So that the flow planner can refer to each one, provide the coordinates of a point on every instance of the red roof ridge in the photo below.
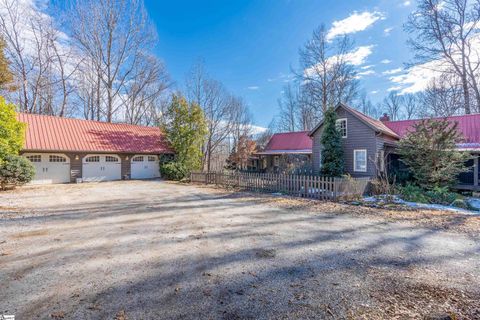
(86, 120)
(432, 118)
(289, 132)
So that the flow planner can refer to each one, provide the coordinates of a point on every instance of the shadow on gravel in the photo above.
(248, 264)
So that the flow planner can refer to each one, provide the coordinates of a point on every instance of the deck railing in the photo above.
(306, 186)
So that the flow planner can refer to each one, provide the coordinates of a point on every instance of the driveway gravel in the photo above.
(158, 250)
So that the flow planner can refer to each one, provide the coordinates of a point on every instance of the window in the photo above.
(35, 158)
(360, 160)
(54, 158)
(137, 159)
(93, 159)
(342, 127)
(276, 161)
(111, 159)
(152, 158)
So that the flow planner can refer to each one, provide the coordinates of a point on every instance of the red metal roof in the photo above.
(289, 142)
(49, 133)
(468, 125)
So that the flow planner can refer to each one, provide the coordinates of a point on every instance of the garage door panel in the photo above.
(50, 168)
(101, 168)
(145, 167)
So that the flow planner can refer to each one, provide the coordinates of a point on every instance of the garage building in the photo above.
(65, 149)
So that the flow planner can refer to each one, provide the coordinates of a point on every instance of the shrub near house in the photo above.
(14, 170)
(429, 150)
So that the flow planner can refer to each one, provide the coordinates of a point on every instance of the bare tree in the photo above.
(411, 106)
(327, 76)
(289, 105)
(445, 32)
(393, 104)
(443, 97)
(149, 80)
(112, 35)
(220, 109)
(366, 106)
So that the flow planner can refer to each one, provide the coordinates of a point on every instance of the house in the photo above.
(286, 152)
(65, 149)
(366, 141)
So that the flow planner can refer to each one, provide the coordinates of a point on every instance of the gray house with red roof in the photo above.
(286, 152)
(366, 141)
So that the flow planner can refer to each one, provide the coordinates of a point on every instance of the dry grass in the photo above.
(435, 219)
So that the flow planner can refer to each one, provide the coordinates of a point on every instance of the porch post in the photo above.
(475, 171)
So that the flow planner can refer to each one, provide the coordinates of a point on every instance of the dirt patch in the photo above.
(435, 219)
(33, 233)
(149, 249)
(403, 299)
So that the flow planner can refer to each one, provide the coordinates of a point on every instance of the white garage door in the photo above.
(50, 167)
(101, 167)
(145, 167)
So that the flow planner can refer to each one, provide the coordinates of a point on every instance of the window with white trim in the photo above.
(93, 159)
(152, 158)
(137, 159)
(342, 127)
(54, 158)
(34, 158)
(360, 160)
(111, 159)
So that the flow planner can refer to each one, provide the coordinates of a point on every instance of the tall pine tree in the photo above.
(332, 152)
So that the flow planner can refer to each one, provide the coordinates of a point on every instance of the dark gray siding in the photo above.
(359, 136)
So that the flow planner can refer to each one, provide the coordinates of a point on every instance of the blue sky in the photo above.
(251, 46)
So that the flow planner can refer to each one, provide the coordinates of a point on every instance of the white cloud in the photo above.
(407, 3)
(374, 92)
(395, 88)
(417, 78)
(253, 88)
(282, 77)
(392, 71)
(356, 22)
(365, 73)
(367, 67)
(387, 31)
(386, 61)
(359, 55)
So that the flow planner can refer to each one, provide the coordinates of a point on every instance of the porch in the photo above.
(469, 181)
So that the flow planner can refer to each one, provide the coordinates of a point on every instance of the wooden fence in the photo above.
(313, 187)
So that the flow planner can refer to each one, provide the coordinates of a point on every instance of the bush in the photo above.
(174, 171)
(413, 193)
(15, 171)
(461, 203)
(441, 195)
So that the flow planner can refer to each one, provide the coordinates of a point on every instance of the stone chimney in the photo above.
(385, 118)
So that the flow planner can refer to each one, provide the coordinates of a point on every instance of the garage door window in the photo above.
(93, 159)
(111, 159)
(151, 158)
(35, 158)
(54, 158)
(137, 159)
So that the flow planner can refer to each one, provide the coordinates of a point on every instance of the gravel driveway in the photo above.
(158, 250)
